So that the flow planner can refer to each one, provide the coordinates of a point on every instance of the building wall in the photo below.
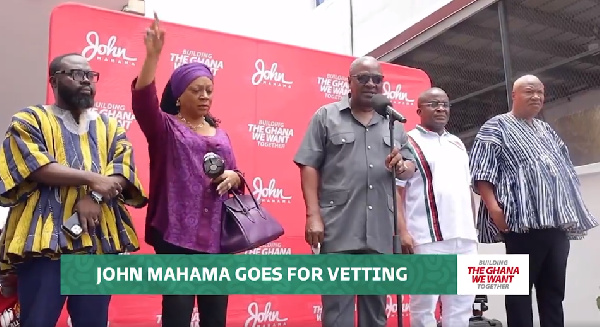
(325, 27)
(24, 55)
(576, 121)
(288, 22)
(376, 21)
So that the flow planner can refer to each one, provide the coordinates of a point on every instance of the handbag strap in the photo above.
(243, 180)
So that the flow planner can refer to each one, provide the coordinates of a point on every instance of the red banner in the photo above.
(265, 95)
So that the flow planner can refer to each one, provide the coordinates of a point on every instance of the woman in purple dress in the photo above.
(184, 209)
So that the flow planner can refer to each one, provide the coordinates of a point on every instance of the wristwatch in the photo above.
(96, 197)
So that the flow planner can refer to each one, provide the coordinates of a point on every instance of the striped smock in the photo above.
(40, 135)
(534, 179)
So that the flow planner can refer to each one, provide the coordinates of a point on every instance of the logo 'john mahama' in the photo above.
(109, 52)
(397, 95)
(269, 193)
(269, 77)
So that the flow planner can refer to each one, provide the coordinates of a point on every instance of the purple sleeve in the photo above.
(145, 107)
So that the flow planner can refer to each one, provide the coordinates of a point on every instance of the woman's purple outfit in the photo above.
(184, 208)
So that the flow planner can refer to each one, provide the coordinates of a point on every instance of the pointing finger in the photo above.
(156, 23)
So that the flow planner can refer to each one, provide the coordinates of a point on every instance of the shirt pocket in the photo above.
(341, 138)
(328, 199)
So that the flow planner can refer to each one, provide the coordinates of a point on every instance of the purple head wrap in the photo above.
(187, 73)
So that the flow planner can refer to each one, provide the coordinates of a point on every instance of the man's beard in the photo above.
(75, 99)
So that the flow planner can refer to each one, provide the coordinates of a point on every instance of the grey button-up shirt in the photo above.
(355, 193)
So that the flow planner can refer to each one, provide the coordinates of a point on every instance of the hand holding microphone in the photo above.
(394, 160)
(214, 168)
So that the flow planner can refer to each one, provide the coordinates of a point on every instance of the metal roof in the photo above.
(557, 40)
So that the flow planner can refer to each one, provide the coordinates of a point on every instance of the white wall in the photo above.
(298, 22)
(329, 27)
(24, 54)
(273, 20)
(378, 21)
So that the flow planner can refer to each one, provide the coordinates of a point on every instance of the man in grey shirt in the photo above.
(346, 164)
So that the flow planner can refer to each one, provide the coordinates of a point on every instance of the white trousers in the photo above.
(456, 309)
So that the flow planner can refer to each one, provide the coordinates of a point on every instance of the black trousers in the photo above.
(548, 251)
(177, 309)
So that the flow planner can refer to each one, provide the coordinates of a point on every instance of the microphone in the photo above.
(383, 106)
(214, 165)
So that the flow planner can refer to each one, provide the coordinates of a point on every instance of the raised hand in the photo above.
(155, 38)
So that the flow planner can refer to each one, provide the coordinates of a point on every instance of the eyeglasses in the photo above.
(80, 75)
(365, 78)
(437, 104)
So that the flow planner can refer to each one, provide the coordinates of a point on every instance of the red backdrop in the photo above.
(265, 95)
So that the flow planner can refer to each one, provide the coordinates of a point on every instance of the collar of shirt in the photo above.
(446, 137)
(87, 116)
(430, 132)
(344, 104)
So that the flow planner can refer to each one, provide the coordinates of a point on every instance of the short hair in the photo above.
(360, 61)
(56, 63)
